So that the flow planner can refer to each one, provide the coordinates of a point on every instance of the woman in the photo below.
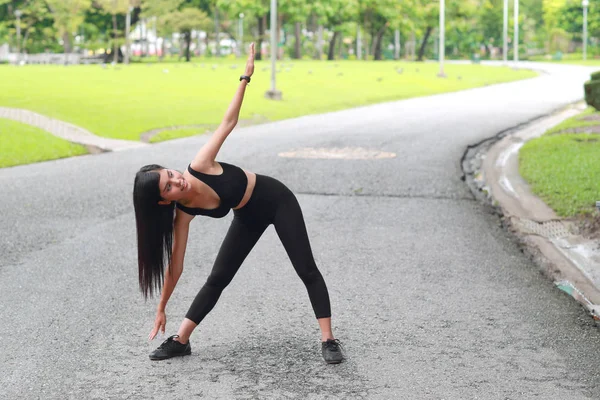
(165, 203)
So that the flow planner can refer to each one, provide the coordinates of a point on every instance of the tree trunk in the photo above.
(358, 43)
(261, 35)
(396, 44)
(319, 46)
(373, 37)
(377, 42)
(297, 45)
(424, 43)
(115, 45)
(217, 33)
(331, 52)
(187, 37)
(143, 37)
(67, 42)
(366, 39)
(24, 40)
(207, 43)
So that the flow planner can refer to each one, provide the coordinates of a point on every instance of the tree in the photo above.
(184, 21)
(332, 14)
(570, 19)
(491, 22)
(296, 12)
(67, 15)
(379, 15)
(115, 7)
(253, 9)
(36, 26)
(161, 9)
(551, 14)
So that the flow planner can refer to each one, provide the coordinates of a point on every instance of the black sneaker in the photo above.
(332, 351)
(171, 348)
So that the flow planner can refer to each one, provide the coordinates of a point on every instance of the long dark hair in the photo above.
(154, 224)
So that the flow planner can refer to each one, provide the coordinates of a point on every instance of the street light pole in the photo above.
(358, 43)
(127, 29)
(505, 33)
(18, 14)
(241, 33)
(273, 94)
(585, 4)
(442, 36)
(516, 39)
(396, 44)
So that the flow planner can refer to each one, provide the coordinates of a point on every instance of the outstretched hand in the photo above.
(250, 63)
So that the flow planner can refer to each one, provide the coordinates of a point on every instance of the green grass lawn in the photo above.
(563, 169)
(574, 58)
(24, 144)
(175, 133)
(126, 101)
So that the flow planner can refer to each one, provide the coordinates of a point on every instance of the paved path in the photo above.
(66, 130)
(431, 297)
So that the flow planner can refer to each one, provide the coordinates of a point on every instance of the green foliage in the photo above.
(156, 8)
(469, 23)
(250, 8)
(68, 14)
(595, 76)
(184, 21)
(592, 93)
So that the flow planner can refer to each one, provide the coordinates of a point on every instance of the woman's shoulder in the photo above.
(205, 167)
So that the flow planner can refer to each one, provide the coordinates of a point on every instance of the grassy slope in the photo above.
(23, 144)
(563, 169)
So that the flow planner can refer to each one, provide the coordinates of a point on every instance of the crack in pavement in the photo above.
(393, 196)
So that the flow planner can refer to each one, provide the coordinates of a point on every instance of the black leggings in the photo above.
(271, 203)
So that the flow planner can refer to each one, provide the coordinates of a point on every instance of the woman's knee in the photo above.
(217, 281)
(310, 276)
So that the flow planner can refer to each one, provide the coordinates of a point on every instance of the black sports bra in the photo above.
(230, 186)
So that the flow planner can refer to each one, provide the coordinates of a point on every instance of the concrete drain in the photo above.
(343, 153)
(549, 229)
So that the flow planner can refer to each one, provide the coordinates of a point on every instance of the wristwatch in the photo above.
(246, 77)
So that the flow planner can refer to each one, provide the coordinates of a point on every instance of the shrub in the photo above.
(596, 76)
(592, 93)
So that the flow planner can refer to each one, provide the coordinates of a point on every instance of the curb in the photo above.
(492, 171)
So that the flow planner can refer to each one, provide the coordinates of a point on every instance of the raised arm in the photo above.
(180, 236)
(205, 158)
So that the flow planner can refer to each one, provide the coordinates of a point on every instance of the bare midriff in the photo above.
(249, 189)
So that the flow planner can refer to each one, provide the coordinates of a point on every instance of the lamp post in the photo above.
(505, 34)
(273, 94)
(240, 34)
(18, 14)
(585, 4)
(442, 36)
(396, 44)
(516, 34)
(127, 29)
(358, 43)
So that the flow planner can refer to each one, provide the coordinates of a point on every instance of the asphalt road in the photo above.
(431, 298)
